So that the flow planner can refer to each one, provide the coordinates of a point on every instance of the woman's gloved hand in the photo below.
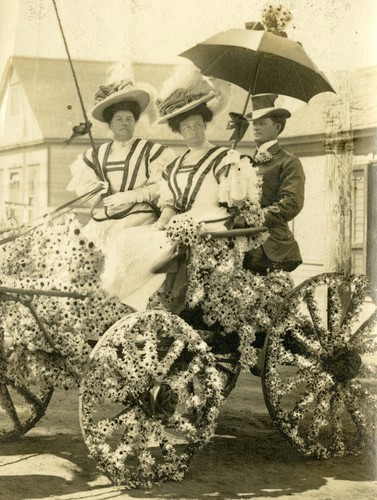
(119, 199)
(238, 190)
(104, 185)
(166, 214)
(233, 157)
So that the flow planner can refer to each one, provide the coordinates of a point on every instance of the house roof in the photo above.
(51, 91)
(359, 86)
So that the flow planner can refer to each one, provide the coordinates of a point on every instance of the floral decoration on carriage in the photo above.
(152, 382)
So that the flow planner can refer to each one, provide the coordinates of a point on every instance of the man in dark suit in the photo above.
(282, 189)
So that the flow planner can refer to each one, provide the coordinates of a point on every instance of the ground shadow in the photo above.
(248, 458)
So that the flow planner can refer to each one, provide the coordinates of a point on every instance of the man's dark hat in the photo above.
(264, 106)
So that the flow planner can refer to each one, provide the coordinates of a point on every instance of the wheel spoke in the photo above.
(364, 330)
(368, 370)
(362, 407)
(334, 308)
(313, 347)
(317, 323)
(29, 396)
(10, 408)
(355, 303)
(302, 406)
(171, 357)
(302, 377)
(319, 416)
(336, 411)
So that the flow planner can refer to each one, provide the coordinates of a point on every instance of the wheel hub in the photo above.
(344, 365)
(159, 401)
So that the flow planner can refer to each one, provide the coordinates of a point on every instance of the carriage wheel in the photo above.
(149, 399)
(21, 404)
(320, 371)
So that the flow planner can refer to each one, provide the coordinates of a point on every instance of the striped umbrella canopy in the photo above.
(259, 62)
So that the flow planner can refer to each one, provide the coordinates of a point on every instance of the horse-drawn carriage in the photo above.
(152, 389)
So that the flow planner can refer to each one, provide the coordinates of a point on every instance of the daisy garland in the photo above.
(54, 257)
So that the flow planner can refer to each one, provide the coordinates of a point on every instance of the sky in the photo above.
(336, 34)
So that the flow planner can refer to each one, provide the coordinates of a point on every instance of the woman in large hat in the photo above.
(203, 183)
(132, 166)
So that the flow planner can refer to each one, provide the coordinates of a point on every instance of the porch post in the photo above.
(339, 156)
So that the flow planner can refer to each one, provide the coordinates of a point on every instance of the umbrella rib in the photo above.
(299, 79)
(259, 55)
(215, 61)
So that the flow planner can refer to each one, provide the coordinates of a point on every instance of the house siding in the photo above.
(61, 157)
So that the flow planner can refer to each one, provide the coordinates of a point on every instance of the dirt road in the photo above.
(247, 458)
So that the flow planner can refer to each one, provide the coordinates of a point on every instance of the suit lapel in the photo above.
(274, 149)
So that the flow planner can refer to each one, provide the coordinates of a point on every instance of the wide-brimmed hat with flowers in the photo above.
(186, 89)
(264, 107)
(115, 92)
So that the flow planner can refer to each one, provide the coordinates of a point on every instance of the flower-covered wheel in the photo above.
(319, 378)
(149, 399)
(22, 403)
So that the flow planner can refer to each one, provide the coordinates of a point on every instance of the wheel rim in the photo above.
(25, 391)
(21, 408)
(319, 377)
(22, 405)
(149, 399)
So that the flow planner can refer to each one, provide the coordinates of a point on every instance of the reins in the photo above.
(24, 229)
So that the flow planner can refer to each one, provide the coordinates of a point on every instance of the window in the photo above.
(364, 218)
(15, 194)
(358, 221)
(371, 240)
(32, 196)
(32, 185)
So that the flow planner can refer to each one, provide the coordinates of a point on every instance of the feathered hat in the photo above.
(118, 91)
(186, 89)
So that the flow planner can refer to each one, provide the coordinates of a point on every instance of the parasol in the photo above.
(259, 62)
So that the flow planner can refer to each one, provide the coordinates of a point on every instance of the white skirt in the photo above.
(135, 254)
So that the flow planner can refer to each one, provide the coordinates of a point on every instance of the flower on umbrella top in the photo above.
(275, 19)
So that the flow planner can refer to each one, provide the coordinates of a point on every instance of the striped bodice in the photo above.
(129, 172)
(185, 194)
